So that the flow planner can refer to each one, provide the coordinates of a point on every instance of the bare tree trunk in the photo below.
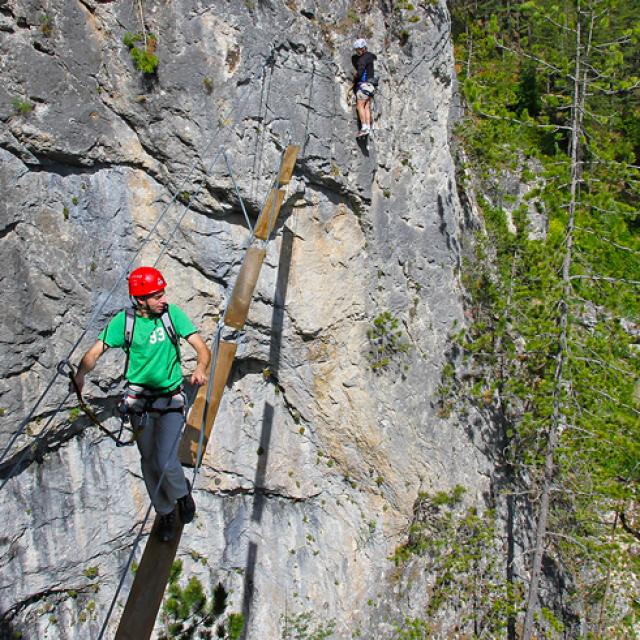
(509, 475)
(557, 417)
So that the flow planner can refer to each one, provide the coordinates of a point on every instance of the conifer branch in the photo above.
(587, 348)
(616, 401)
(614, 162)
(604, 365)
(541, 61)
(589, 205)
(572, 539)
(607, 45)
(611, 242)
(536, 125)
(619, 92)
(604, 279)
(591, 434)
(558, 24)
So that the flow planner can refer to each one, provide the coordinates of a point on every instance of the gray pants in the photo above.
(158, 438)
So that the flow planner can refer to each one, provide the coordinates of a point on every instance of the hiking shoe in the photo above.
(187, 506)
(167, 526)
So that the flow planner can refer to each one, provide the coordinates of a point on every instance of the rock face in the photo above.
(320, 448)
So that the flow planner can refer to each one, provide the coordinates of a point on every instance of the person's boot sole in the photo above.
(187, 507)
(165, 535)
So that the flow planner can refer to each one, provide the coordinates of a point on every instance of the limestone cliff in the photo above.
(317, 456)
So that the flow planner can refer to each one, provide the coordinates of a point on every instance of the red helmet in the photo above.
(144, 281)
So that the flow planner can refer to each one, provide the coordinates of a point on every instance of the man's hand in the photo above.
(87, 364)
(199, 376)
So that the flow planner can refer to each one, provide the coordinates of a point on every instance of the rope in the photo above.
(259, 146)
(235, 186)
(306, 123)
(66, 368)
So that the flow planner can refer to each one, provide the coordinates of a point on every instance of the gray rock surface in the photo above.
(314, 465)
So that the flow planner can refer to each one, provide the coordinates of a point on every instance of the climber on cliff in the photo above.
(149, 334)
(364, 84)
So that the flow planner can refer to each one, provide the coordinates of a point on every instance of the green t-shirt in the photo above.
(153, 359)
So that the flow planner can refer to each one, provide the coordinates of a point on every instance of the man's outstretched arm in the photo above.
(89, 361)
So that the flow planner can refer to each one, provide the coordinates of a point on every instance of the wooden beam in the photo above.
(188, 451)
(269, 214)
(288, 163)
(238, 309)
(145, 597)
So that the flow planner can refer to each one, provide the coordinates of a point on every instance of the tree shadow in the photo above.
(275, 345)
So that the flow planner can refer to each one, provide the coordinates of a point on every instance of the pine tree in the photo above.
(554, 318)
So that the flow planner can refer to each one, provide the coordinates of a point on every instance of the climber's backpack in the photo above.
(130, 324)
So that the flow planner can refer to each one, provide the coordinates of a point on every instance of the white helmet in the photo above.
(360, 43)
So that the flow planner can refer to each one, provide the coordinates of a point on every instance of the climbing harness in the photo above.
(140, 401)
(65, 368)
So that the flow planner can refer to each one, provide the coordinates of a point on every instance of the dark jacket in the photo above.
(364, 67)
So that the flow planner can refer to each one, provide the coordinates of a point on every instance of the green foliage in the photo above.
(353, 16)
(411, 629)
(207, 83)
(91, 572)
(46, 25)
(188, 613)
(386, 342)
(235, 624)
(304, 626)
(449, 499)
(549, 343)
(22, 106)
(458, 548)
(144, 58)
(528, 92)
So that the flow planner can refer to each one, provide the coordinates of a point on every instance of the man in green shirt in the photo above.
(154, 395)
